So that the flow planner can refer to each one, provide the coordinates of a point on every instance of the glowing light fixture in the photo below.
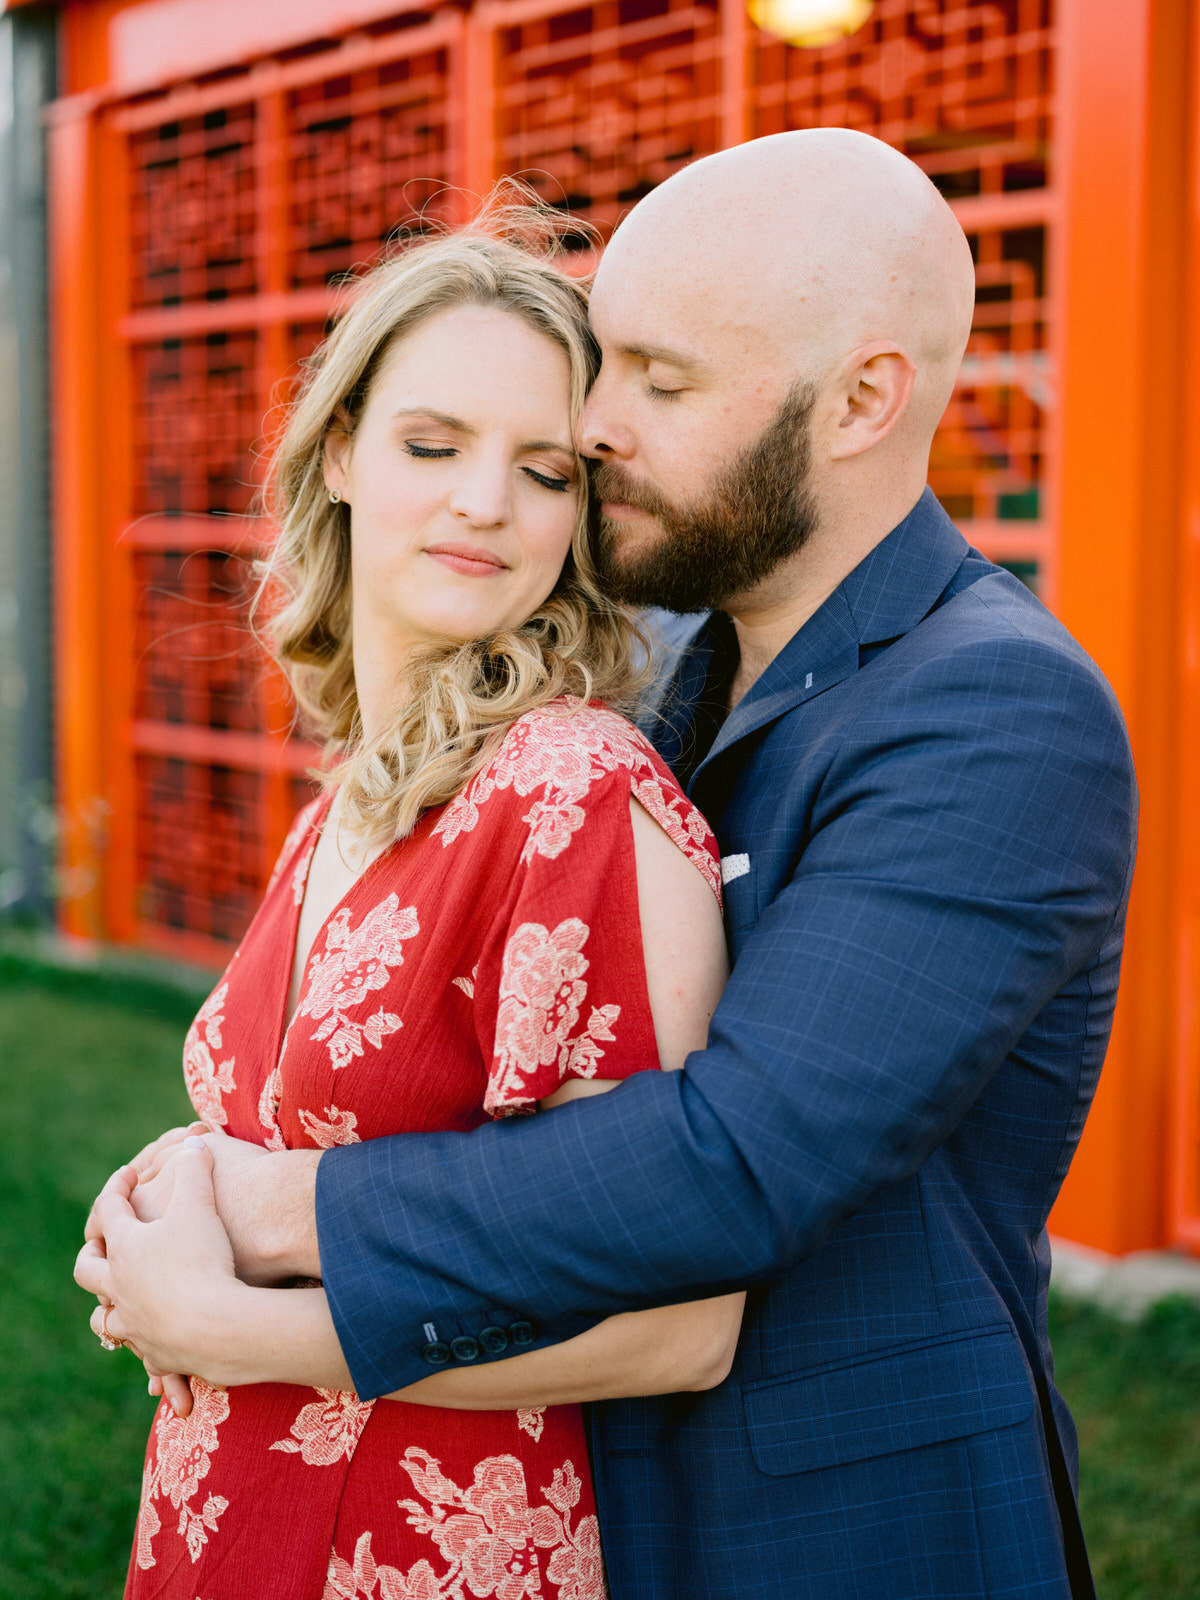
(810, 23)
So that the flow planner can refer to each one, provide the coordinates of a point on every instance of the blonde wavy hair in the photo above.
(459, 699)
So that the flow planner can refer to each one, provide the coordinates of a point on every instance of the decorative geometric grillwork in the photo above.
(596, 104)
(198, 413)
(962, 86)
(199, 849)
(196, 661)
(193, 205)
(987, 456)
(366, 155)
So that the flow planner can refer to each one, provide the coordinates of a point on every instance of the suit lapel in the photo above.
(888, 593)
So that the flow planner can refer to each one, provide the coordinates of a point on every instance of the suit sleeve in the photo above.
(970, 851)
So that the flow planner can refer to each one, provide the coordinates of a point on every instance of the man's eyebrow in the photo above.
(459, 426)
(660, 352)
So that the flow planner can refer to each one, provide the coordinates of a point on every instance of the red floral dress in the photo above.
(472, 968)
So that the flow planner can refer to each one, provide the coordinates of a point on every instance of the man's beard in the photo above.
(759, 511)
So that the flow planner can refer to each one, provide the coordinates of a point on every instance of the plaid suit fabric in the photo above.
(932, 789)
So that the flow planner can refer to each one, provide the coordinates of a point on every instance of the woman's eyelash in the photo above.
(425, 450)
(430, 452)
(661, 394)
(559, 485)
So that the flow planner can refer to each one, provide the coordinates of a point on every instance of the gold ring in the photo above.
(107, 1341)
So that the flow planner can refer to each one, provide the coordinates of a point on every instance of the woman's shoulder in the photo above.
(565, 750)
(570, 743)
(573, 758)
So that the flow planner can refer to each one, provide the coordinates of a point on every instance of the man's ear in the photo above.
(876, 388)
(335, 453)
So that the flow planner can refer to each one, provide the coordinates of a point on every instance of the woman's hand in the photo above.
(165, 1284)
(264, 1199)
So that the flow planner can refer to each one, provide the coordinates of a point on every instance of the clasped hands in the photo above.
(177, 1233)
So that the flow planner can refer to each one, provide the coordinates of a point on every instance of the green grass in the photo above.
(91, 1070)
(1135, 1393)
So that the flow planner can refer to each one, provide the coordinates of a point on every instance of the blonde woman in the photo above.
(502, 901)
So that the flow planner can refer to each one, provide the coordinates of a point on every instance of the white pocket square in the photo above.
(734, 867)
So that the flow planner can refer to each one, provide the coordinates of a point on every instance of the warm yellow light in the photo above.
(811, 23)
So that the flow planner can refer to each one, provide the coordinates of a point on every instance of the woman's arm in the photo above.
(286, 1336)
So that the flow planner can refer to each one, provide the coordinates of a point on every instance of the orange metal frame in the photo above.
(1066, 136)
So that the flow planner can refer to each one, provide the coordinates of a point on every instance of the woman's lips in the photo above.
(467, 559)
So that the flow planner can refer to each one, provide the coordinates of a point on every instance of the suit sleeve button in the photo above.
(464, 1348)
(493, 1340)
(436, 1354)
(521, 1332)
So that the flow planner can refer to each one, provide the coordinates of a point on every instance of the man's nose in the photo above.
(601, 433)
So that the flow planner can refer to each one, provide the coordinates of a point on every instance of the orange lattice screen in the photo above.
(597, 104)
(247, 197)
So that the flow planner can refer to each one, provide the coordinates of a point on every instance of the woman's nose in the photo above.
(483, 497)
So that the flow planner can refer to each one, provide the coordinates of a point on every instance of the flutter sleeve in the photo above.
(560, 991)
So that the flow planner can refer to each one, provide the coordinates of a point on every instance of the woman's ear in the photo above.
(335, 455)
(875, 393)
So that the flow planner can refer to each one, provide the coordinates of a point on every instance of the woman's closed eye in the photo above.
(428, 451)
(559, 485)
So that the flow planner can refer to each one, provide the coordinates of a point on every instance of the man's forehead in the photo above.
(682, 309)
(687, 332)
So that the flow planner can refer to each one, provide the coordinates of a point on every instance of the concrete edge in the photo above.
(1126, 1286)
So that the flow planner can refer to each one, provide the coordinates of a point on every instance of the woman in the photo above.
(501, 902)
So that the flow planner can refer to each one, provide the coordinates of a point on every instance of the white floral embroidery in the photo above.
(300, 826)
(339, 1128)
(488, 1535)
(683, 825)
(556, 754)
(300, 872)
(577, 1565)
(268, 1111)
(532, 1420)
(542, 990)
(467, 985)
(355, 962)
(183, 1452)
(206, 1078)
(328, 1429)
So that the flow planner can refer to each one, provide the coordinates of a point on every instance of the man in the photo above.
(925, 805)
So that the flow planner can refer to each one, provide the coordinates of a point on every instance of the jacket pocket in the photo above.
(948, 1389)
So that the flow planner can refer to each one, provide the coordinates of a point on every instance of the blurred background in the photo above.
(184, 186)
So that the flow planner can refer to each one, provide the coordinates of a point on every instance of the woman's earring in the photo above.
(335, 497)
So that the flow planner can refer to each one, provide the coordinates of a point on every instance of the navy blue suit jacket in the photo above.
(929, 805)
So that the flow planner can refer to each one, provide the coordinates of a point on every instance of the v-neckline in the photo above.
(285, 1021)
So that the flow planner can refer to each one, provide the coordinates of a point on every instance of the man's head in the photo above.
(780, 326)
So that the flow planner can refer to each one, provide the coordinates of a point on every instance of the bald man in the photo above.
(925, 804)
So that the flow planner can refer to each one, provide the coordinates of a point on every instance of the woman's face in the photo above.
(462, 481)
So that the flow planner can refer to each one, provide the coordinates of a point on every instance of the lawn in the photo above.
(91, 1066)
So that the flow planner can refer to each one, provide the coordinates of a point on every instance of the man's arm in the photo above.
(971, 851)
(167, 1286)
